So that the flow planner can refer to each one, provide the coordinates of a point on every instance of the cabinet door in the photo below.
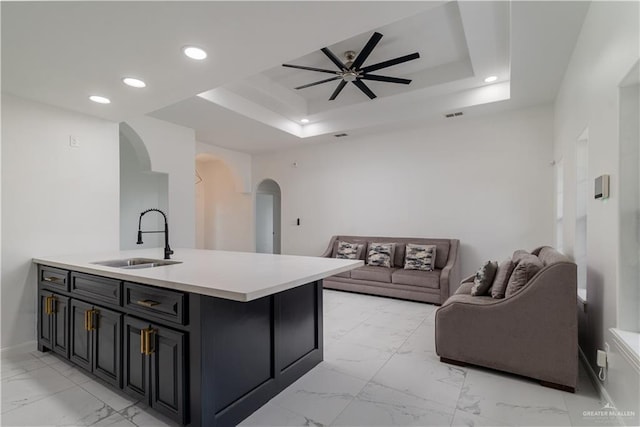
(80, 336)
(168, 372)
(136, 365)
(45, 337)
(60, 325)
(107, 357)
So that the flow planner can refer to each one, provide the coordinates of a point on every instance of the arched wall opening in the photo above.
(223, 215)
(140, 189)
(268, 217)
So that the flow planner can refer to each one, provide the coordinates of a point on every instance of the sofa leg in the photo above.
(558, 386)
(452, 362)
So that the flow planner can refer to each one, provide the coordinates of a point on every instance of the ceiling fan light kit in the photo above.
(352, 71)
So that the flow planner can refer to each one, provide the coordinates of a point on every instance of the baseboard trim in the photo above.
(604, 394)
(20, 348)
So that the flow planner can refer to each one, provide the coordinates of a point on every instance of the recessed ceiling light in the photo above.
(130, 81)
(304, 120)
(491, 79)
(100, 99)
(194, 52)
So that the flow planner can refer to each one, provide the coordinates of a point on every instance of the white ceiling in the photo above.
(61, 52)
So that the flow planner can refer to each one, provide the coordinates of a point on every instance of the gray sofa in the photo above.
(533, 332)
(424, 286)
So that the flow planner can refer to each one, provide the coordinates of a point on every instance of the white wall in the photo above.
(486, 181)
(607, 48)
(239, 164)
(224, 214)
(172, 150)
(56, 199)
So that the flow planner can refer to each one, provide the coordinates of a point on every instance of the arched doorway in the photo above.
(223, 215)
(268, 217)
(140, 189)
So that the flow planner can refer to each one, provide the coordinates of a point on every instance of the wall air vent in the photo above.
(449, 115)
(340, 135)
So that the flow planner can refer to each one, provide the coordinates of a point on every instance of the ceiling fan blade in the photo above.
(334, 58)
(366, 50)
(320, 82)
(391, 62)
(385, 79)
(336, 92)
(302, 67)
(363, 87)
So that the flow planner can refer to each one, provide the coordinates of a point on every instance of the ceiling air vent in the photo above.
(340, 135)
(448, 116)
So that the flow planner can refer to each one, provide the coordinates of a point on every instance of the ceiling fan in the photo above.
(352, 70)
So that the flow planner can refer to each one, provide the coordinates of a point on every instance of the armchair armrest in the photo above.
(450, 273)
(327, 252)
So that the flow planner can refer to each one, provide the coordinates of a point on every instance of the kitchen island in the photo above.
(205, 341)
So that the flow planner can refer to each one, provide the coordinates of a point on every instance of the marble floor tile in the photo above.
(16, 364)
(377, 405)
(29, 387)
(141, 416)
(72, 372)
(512, 400)
(116, 400)
(354, 359)
(420, 342)
(388, 338)
(274, 415)
(413, 375)
(115, 420)
(320, 395)
(71, 407)
(466, 419)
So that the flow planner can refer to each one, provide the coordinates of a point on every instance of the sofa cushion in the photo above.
(374, 274)
(345, 274)
(524, 271)
(419, 257)
(499, 286)
(348, 250)
(425, 279)
(381, 254)
(484, 278)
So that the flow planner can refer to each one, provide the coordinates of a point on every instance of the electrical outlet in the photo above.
(74, 142)
(602, 359)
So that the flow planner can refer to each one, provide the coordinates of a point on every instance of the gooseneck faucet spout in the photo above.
(167, 249)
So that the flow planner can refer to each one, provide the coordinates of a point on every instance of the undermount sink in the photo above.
(134, 263)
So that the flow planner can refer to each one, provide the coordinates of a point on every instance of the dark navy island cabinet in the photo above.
(196, 359)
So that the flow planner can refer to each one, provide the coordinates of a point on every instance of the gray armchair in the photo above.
(534, 332)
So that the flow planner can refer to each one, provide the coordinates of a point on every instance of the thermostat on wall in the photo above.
(602, 187)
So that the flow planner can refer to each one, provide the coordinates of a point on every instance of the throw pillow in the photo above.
(419, 257)
(347, 250)
(518, 255)
(484, 278)
(381, 254)
(503, 274)
(524, 271)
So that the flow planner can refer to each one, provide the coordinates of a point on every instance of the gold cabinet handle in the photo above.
(47, 305)
(147, 302)
(93, 319)
(52, 279)
(86, 320)
(52, 304)
(147, 342)
(151, 342)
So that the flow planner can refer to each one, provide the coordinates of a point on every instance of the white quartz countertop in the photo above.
(239, 276)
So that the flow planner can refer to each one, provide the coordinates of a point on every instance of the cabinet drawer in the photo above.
(53, 278)
(155, 302)
(97, 288)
